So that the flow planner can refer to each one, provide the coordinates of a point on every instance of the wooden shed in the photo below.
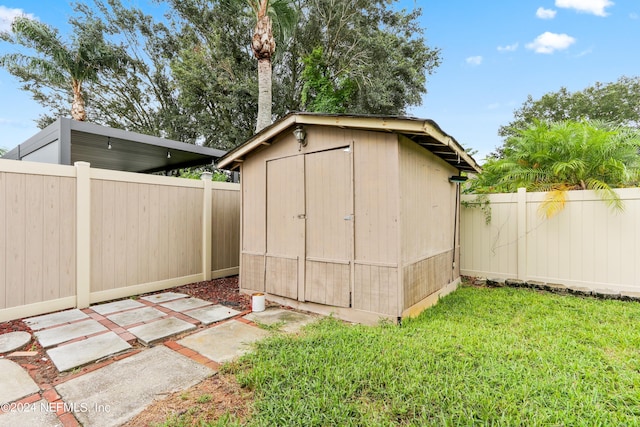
(351, 215)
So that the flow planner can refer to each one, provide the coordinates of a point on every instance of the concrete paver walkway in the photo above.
(224, 342)
(103, 401)
(117, 389)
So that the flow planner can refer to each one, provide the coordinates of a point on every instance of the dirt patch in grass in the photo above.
(217, 397)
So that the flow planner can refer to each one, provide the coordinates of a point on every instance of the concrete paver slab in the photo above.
(54, 319)
(40, 413)
(184, 304)
(53, 336)
(80, 353)
(13, 341)
(113, 307)
(292, 321)
(15, 382)
(121, 390)
(224, 342)
(163, 297)
(160, 329)
(211, 314)
(137, 315)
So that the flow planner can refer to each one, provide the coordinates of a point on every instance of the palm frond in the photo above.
(606, 194)
(553, 203)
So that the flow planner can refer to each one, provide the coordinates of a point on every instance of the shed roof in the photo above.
(423, 132)
(130, 151)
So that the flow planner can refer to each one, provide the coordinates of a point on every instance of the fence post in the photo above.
(522, 233)
(206, 228)
(83, 234)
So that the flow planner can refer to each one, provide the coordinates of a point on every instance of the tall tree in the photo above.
(556, 157)
(59, 65)
(617, 102)
(263, 45)
(191, 74)
(366, 56)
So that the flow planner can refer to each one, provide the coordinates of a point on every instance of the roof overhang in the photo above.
(130, 151)
(423, 132)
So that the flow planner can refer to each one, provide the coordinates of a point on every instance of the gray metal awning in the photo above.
(67, 141)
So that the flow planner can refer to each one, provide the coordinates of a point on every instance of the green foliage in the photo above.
(321, 92)
(561, 156)
(60, 68)
(191, 75)
(358, 57)
(617, 103)
(482, 202)
(479, 357)
(196, 173)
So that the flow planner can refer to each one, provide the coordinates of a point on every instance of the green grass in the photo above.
(480, 357)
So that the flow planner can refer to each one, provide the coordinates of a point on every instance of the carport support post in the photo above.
(206, 228)
(83, 234)
(522, 234)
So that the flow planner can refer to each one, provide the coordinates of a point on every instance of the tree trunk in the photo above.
(263, 45)
(77, 108)
(264, 94)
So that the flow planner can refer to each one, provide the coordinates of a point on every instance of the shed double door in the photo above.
(310, 227)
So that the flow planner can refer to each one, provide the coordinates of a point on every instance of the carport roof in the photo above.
(130, 151)
(423, 132)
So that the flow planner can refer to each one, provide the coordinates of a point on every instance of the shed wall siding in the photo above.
(376, 198)
(428, 209)
(368, 268)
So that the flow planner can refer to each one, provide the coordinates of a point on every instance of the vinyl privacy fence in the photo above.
(586, 245)
(73, 235)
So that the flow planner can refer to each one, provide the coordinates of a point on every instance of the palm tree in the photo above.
(263, 44)
(59, 65)
(560, 156)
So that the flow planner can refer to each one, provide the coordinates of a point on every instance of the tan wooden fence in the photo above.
(586, 245)
(71, 236)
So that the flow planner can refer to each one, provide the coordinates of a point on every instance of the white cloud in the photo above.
(474, 60)
(508, 48)
(595, 7)
(550, 42)
(543, 13)
(8, 15)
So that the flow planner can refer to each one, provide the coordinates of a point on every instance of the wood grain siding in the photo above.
(254, 205)
(376, 289)
(225, 229)
(328, 283)
(143, 233)
(427, 203)
(252, 272)
(426, 277)
(285, 226)
(329, 227)
(376, 190)
(37, 238)
(282, 276)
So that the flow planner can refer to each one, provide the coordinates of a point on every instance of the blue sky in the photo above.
(494, 54)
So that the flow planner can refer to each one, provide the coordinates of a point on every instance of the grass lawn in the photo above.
(480, 357)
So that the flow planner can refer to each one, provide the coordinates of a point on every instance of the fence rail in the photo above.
(73, 235)
(586, 245)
